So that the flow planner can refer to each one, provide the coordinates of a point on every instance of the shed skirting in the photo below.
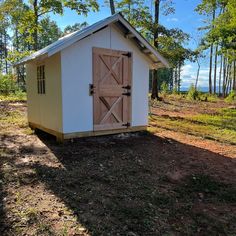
(60, 136)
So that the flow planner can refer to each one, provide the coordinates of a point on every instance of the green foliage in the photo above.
(7, 84)
(9, 89)
(231, 97)
(175, 90)
(164, 88)
(192, 93)
(49, 32)
(77, 26)
(164, 75)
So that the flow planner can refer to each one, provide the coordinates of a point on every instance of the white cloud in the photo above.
(173, 19)
(189, 75)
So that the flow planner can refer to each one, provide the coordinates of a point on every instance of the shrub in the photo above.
(175, 90)
(231, 97)
(164, 88)
(192, 93)
(7, 84)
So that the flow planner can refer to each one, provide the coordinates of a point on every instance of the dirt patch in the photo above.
(166, 183)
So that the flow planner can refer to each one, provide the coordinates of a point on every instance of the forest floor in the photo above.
(177, 179)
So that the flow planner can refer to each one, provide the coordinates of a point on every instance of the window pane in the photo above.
(41, 79)
(43, 86)
(38, 86)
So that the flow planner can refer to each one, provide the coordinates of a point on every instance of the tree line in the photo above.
(25, 26)
(220, 41)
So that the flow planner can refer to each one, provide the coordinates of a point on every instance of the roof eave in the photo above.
(160, 59)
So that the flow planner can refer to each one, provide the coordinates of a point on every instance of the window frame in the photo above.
(41, 79)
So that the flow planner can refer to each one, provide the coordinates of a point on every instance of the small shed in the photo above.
(91, 82)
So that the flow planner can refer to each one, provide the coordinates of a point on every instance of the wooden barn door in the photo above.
(111, 89)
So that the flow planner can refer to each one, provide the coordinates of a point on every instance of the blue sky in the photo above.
(184, 18)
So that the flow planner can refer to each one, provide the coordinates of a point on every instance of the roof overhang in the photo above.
(157, 60)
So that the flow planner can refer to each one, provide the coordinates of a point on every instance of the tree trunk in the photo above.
(179, 74)
(154, 85)
(215, 68)
(210, 70)
(226, 79)
(211, 52)
(112, 7)
(220, 74)
(224, 76)
(5, 51)
(155, 38)
(17, 49)
(35, 33)
(234, 76)
(198, 70)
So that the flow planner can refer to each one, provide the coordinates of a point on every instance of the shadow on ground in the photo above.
(140, 184)
(143, 185)
(2, 213)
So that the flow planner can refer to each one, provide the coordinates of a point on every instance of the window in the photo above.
(41, 79)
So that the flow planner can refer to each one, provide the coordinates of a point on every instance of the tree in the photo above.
(221, 34)
(112, 7)
(208, 7)
(40, 8)
(77, 26)
(48, 33)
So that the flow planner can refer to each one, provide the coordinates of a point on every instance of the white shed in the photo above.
(91, 82)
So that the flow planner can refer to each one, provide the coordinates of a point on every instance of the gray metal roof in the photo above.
(118, 20)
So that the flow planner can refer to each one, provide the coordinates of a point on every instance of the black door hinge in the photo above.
(127, 54)
(126, 87)
(91, 91)
(126, 124)
(127, 94)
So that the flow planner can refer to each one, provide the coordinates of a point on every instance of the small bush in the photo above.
(164, 87)
(207, 97)
(7, 84)
(231, 97)
(192, 93)
(175, 90)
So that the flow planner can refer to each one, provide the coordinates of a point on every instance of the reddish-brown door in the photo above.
(111, 89)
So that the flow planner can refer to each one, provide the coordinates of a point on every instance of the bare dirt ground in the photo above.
(144, 184)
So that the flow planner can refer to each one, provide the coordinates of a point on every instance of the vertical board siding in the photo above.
(45, 109)
(77, 74)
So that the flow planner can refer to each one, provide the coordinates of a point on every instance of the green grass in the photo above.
(224, 119)
(220, 127)
(13, 97)
(13, 118)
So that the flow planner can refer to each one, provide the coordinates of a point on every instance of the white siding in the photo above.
(76, 62)
(45, 109)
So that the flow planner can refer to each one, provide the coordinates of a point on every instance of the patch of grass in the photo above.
(225, 119)
(208, 97)
(44, 229)
(18, 96)
(12, 117)
(220, 127)
(231, 98)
